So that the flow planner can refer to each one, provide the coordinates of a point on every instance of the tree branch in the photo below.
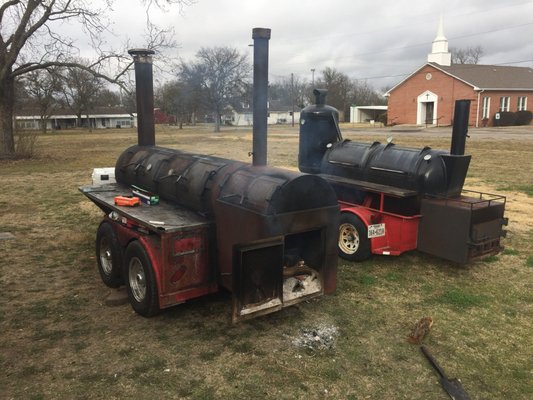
(26, 68)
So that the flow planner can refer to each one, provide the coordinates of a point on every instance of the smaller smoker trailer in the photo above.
(266, 234)
(394, 199)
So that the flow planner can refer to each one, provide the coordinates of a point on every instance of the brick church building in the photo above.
(427, 96)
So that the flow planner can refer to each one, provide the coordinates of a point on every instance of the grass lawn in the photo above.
(60, 341)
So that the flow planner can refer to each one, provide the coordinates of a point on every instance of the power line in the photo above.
(308, 38)
(414, 45)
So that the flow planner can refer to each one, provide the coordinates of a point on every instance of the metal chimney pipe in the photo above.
(460, 127)
(320, 96)
(144, 88)
(261, 36)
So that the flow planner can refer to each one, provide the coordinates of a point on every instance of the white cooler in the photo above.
(103, 176)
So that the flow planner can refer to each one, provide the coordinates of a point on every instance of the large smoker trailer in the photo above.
(394, 199)
(267, 235)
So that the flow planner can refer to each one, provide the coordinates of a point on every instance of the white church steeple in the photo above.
(439, 50)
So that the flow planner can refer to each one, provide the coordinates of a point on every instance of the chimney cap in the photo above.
(140, 52)
(261, 33)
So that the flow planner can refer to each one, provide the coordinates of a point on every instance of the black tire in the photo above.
(353, 243)
(140, 280)
(109, 256)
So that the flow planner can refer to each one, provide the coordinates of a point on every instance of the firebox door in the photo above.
(257, 278)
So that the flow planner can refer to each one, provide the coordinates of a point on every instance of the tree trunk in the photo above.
(43, 124)
(7, 98)
(217, 122)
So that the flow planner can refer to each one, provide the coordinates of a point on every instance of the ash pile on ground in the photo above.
(321, 337)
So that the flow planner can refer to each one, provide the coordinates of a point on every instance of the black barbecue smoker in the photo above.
(395, 199)
(266, 234)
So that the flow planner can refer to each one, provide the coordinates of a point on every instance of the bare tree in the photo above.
(468, 55)
(364, 94)
(219, 72)
(289, 89)
(80, 92)
(339, 86)
(43, 88)
(179, 99)
(30, 41)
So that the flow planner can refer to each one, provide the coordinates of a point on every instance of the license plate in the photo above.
(376, 230)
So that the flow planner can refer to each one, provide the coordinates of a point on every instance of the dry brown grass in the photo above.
(59, 340)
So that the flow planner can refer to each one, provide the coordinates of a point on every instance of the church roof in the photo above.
(490, 77)
(484, 77)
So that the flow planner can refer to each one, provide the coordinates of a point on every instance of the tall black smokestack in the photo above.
(261, 36)
(460, 127)
(144, 87)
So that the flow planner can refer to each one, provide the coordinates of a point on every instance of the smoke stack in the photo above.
(460, 127)
(320, 96)
(144, 88)
(261, 36)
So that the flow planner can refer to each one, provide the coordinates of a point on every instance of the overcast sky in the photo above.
(380, 41)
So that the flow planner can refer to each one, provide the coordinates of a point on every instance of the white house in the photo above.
(277, 114)
(101, 119)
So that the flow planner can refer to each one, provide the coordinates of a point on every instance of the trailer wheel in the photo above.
(353, 238)
(109, 256)
(140, 281)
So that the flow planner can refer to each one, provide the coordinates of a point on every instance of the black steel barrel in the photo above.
(268, 190)
(182, 178)
(425, 170)
(196, 181)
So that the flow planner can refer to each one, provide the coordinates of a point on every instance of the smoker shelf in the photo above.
(174, 218)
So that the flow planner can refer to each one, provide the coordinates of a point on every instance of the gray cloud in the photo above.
(364, 39)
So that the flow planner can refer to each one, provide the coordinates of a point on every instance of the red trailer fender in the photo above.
(393, 234)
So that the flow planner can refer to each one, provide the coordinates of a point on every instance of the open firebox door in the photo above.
(281, 248)
(269, 275)
(258, 275)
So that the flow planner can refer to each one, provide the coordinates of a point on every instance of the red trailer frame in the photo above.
(388, 233)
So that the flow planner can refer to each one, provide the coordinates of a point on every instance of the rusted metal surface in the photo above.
(251, 205)
(150, 217)
(464, 228)
(182, 260)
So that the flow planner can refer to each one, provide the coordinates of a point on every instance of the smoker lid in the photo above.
(274, 191)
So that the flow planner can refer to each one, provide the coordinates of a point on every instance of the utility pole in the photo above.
(292, 96)
(313, 77)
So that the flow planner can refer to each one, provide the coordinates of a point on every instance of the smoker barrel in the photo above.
(180, 177)
(425, 170)
(195, 181)
(422, 170)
